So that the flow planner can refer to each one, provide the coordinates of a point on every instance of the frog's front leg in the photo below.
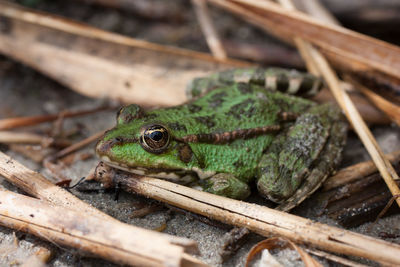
(300, 159)
(225, 184)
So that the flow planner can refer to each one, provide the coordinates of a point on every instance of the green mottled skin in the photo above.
(227, 107)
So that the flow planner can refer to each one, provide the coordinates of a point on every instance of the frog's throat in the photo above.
(173, 175)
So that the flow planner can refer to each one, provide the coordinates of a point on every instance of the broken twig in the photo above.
(356, 171)
(89, 233)
(33, 120)
(317, 60)
(16, 211)
(207, 26)
(260, 219)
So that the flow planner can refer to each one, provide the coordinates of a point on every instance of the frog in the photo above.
(239, 127)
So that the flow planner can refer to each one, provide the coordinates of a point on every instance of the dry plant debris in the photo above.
(270, 14)
(156, 72)
(259, 219)
(130, 81)
(275, 243)
(99, 233)
(132, 70)
(359, 201)
(11, 123)
(339, 44)
(357, 171)
(208, 28)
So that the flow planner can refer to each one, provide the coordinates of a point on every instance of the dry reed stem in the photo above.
(316, 9)
(33, 120)
(134, 69)
(36, 185)
(113, 240)
(47, 20)
(334, 258)
(340, 44)
(370, 113)
(390, 109)
(356, 171)
(77, 145)
(8, 137)
(263, 220)
(207, 26)
(384, 166)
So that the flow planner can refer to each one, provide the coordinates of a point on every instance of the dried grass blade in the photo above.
(281, 243)
(109, 239)
(10, 123)
(77, 145)
(356, 171)
(51, 21)
(335, 258)
(370, 113)
(8, 137)
(36, 185)
(384, 166)
(340, 44)
(317, 10)
(390, 109)
(212, 38)
(74, 54)
(263, 220)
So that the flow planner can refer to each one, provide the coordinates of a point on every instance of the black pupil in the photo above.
(156, 135)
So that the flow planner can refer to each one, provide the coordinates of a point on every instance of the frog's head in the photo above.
(145, 145)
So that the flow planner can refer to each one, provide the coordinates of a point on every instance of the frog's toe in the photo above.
(227, 185)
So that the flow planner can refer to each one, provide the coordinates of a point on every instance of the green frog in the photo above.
(239, 126)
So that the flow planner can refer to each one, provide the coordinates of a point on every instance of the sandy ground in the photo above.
(25, 92)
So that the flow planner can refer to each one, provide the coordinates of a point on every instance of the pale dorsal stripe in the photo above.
(270, 82)
(294, 85)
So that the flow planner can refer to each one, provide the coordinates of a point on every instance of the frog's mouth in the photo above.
(175, 175)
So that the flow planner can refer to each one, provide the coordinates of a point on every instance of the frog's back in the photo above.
(227, 109)
(237, 106)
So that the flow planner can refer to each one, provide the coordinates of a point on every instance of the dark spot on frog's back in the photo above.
(176, 126)
(244, 109)
(185, 153)
(206, 120)
(238, 164)
(151, 116)
(282, 104)
(217, 99)
(244, 88)
(194, 108)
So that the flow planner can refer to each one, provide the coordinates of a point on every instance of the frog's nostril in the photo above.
(103, 147)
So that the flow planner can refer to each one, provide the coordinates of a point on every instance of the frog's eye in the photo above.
(154, 138)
